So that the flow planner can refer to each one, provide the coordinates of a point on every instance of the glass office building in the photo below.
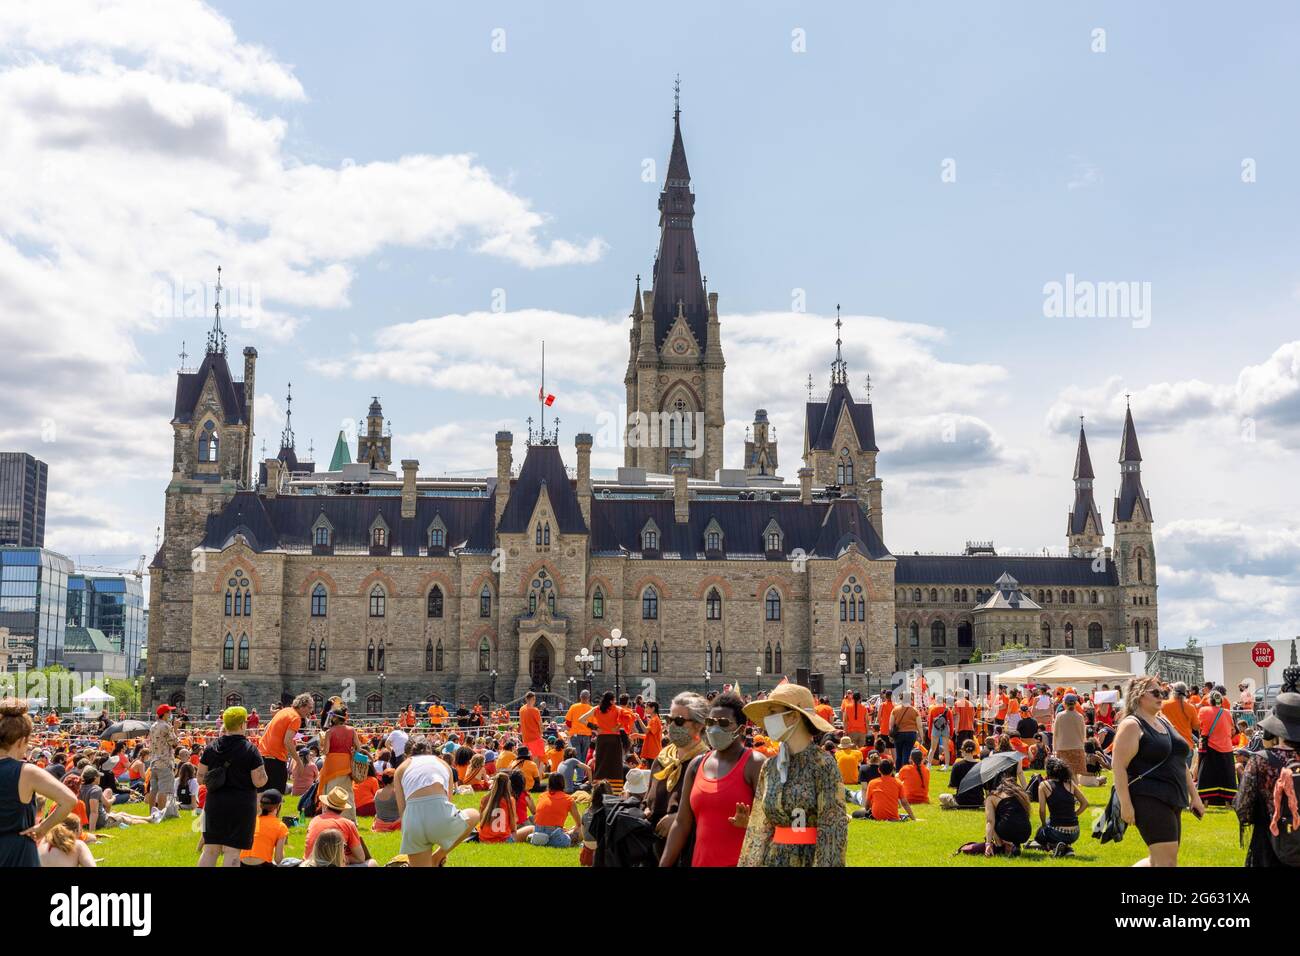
(113, 604)
(34, 604)
(22, 500)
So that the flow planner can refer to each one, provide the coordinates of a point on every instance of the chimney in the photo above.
(272, 477)
(505, 441)
(681, 496)
(805, 485)
(583, 444)
(409, 468)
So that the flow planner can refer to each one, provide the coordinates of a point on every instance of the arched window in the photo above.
(428, 655)
(228, 654)
(1137, 634)
(862, 609)
(382, 656)
(319, 601)
(650, 605)
(320, 657)
(370, 656)
(532, 602)
(598, 604)
(243, 652)
(248, 604)
(234, 699)
(379, 537)
(713, 541)
(1069, 635)
(853, 610)
(650, 541)
(550, 600)
(311, 656)
(708, 657)
(437, 538)
(654, 658)
(772, 605)
(777, 662)
(844, 468)
(485, 602)
(859, 658)
(938, 634)
(208, 443)
(767, 659)
(537, 537)
(546, 534)
(713, 605)
(378, 601)
(321, 536)
(434, 604)
(1146, 633)
(1046, 630)
(645, 657)
(934, 595)
(374, 703)
(914, 635)
(773, 541)
(437, 656)
(1140, 568)
(844, 609)
(228, 601)
(717, 656)
(916, 595)
(1094, 636)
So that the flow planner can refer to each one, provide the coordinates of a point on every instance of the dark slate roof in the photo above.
(189, 386)
(821, 529)
(1084, 505)
(822, 417)
(984, 570)
(286, 521)
(1128, 447)
(542, 466)
(1130, 491)
(289, 456)
(677, 275)
(1082, 460)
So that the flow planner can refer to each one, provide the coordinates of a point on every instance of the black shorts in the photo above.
(277, 775)
(1156, 820)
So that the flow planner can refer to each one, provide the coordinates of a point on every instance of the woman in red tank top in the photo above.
(709, 827)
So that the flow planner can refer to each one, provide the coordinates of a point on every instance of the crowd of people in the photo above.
(716, 780)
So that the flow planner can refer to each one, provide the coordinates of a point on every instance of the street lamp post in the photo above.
(572, 684)
(135, 700)
(844, 675)
(382, 678)
(758, 676)
(151, 692)
(868, 681)
(584, 659)
(221, 691)
(203, 686)
(707, 675)
(493, 675)
(615, 646)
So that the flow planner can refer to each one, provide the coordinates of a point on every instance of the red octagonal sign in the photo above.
(1262, 654)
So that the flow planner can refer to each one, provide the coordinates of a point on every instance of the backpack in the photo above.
(1284, 828)
(307, 805)
(940, 725)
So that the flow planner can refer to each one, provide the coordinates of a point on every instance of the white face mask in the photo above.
(775, 726)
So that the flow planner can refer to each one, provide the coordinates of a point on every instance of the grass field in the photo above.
(930, 841)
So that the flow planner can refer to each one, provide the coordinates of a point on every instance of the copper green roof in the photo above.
(341, 456)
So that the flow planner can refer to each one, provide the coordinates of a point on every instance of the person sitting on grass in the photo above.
(915, 778)
(870, 770)
(332, 818)
(554, 807)
(883, 797)
(971, 799)
(1060, 801)
(63, 847)
(328, 850)
(1006, 818)
(270, 835)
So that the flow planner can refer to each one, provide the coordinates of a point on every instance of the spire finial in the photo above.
(810, 386)
(286, 436)
(183, 356)
(677, 97)
(839, 368)
(217, 337)
(1127, 404)
(868, 388)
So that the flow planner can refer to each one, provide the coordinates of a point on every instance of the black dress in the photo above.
(230, 811)
(15, 817)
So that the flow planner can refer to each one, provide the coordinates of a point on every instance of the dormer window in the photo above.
(650, 541)
(773, 539)
(773, 542)
(379, 538)
(322, 537)
(436, 535)
(713, 541)
(437, 538)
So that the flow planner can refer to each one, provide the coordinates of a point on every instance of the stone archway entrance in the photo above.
(540, 667)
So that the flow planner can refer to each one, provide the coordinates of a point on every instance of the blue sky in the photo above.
(306, 148)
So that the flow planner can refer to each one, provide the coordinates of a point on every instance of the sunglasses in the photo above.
(719, 722)
(679, 721)
(1158, 693)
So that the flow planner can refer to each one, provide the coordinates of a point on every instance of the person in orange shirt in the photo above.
(1003, 705)
(963, 715)
(1181, 714)
(825, 710)
(580, 733)
(854, 717)
(654, 733)
(530, 724)
(554, 754)
(915, 779)
(883, 797)
(886, 711)
(849, 759)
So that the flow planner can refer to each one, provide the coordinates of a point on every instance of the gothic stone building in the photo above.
(281, 578)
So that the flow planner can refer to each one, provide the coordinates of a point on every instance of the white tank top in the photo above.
(424, 771)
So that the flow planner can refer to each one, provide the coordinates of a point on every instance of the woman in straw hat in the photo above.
(798, 815)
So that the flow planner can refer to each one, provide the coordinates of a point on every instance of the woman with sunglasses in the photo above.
(1152, 780)
(709, 828)
(667, 792)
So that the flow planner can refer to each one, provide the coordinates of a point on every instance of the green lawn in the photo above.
(929, 841)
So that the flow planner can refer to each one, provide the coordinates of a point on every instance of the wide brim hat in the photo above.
(1284, 720)
(789, 697)
(337, 799)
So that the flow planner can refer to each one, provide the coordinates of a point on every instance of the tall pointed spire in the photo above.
(677, 276)
(1082, 460)
(1132, 503)
(1084, 526)
(286, 436)
(636, 299)
(839, 368)
(216, 336)
(1128, 448)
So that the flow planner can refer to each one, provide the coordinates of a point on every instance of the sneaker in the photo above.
(1062, 849)
(1034, 845)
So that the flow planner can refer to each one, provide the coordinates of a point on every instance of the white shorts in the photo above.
(431, 821)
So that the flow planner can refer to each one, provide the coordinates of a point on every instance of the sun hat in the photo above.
(637, 782)
(337, 799)
(788, 697)
(846, 742)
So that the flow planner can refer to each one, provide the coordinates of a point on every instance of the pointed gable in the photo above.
(213, 373)
(821, 419)
(543, 467)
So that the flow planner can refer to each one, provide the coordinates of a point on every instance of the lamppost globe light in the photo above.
(616, 633)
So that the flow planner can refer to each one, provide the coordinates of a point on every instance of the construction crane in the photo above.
(137, 572)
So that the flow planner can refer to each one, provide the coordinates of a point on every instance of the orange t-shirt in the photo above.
(964, 715)
(886, 710)
(553, 757)
(1004, 702)
(1182, 715)
(530, 723)
(626, 719)
(576, 729)
(552, 809)
(609, 721)
(530, 772)
(849, 761)
(826, 712)
(272, 742)
(506, 759)
(363, 793)
(270, 830)
(855, 718)
(882, 797)
(916, 783)
(654, 738)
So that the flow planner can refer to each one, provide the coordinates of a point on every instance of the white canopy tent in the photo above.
(1061, 669)
(93, 696)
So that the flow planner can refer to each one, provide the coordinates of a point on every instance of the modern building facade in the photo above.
(275, 579)
(113, 605)
(33, 605)
(23, 481)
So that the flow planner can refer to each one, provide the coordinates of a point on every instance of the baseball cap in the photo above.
(165, 709)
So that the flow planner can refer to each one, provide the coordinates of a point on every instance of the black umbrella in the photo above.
(989, 769)
(124, 729)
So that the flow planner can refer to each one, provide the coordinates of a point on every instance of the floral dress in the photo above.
(812, 796)
(1254, 803)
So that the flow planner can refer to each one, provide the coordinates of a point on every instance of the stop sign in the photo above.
(1262, 654)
